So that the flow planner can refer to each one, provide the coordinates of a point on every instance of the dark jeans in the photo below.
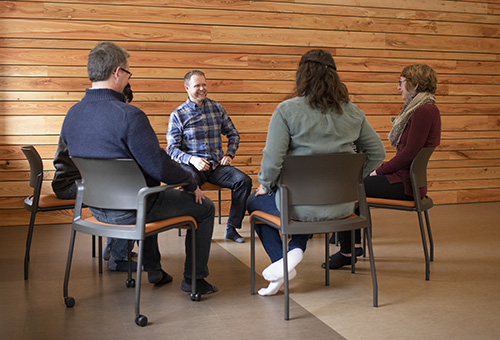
(119, 250)
(227, 176)
(379, 187)
(269, 236)
(165, 205)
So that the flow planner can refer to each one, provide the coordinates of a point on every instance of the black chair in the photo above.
(38, 202)
(418, 177)
(318, 180)
(119, 184)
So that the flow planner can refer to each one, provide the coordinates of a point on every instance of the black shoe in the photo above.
(338, 260)
(159, 277)
(232, 234)
(202, 287)
(358, 251)
(120, 266)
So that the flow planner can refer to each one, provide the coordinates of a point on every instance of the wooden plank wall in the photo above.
(249, 51)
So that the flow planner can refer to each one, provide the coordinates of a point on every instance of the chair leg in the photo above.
(220, 208)
(252, 258)
(424, 244)
(368, 232)
(285, 277)
(93, 246)
(140, 320)
(129, 261)
(353, 252)
(29, 237)
(429, 232)
(327, 259)
(194, 294)
(99, 247)
(69, 301)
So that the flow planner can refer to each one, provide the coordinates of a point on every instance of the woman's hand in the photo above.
(373, 173)
(260, 191)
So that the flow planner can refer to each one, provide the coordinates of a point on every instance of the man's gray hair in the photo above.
(104, 59)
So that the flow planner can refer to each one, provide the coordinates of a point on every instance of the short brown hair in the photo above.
(187, 77)
(422, 75)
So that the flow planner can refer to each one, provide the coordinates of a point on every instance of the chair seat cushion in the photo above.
(268, 217)
(51, 200)
(277, 220)
(153, 226)
(386, 201)
(210, 186)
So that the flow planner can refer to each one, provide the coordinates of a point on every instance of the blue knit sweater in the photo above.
(102, 125)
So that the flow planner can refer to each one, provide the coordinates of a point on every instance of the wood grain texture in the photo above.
(249, 51)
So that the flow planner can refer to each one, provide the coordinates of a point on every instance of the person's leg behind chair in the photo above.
(240, 185)
(181, 203)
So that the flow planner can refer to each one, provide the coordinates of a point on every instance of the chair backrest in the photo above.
(321, 180)
(110, 183)
(36, 165)
(418, 170)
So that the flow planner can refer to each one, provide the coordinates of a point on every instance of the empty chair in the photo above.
(318, 180)
(118, 184)
(418, 177)
(38, 202)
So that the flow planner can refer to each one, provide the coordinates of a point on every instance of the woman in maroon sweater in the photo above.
(417, 126)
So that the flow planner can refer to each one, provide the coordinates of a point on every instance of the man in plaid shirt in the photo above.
(194, 141)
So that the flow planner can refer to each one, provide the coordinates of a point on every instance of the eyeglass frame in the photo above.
(126, 71)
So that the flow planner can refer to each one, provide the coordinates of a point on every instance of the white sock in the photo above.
(274, 271)
(274, 286)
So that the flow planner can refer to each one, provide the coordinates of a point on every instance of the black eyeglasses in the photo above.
(126, 71)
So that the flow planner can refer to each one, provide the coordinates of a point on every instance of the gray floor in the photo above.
(461, 301)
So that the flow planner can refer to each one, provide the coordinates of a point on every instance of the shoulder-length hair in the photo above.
(317, 80)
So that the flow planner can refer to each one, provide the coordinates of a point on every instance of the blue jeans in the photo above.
(165, 205)
(227, 176)
(269, 236)
(119, 251)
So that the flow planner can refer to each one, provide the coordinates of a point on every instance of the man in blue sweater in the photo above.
(103, 125)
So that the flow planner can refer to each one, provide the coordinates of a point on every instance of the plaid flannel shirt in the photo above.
(195, 130)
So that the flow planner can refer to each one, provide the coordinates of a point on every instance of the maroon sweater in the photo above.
(422, 130)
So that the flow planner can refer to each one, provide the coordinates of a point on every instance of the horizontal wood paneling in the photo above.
(249, 51)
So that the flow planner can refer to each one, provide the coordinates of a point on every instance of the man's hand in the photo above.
(226, 160)
(373, 173)
(198, 196)
(199, 163)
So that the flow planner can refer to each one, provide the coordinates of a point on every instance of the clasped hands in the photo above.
(202, 164)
